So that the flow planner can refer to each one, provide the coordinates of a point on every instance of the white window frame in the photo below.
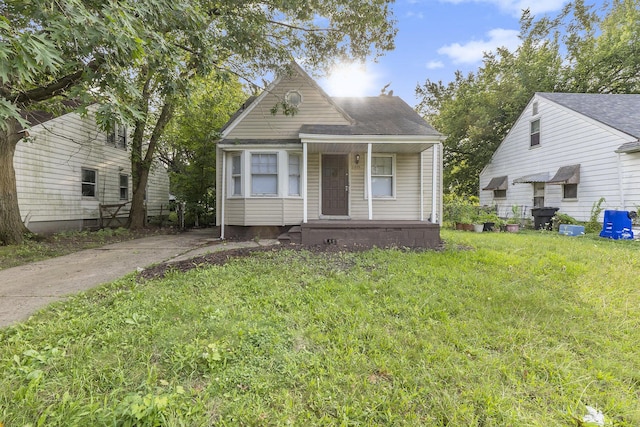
(393, 177)
(531, 133)
(297, 176)
(245, 175)
(122, 187)
(251, 174)
(118, 137)
(94, 183)
(233, 176)
(290, 95)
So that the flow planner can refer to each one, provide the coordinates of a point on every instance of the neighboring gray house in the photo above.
(567, 150)
(68, 169)
(341, 170)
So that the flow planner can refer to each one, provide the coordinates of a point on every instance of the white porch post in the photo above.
(369, 189)
(422, 186)
(434, 186)
(223, 193)
(304, 183)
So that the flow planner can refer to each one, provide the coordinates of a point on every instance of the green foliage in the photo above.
(460, 209)
(380, 337)
(188, 145)
(577, 51)
(594, 225)
(136, 59)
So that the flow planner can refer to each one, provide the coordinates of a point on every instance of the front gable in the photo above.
(259, 122)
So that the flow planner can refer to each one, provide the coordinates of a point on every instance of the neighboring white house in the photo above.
(344, 169)
(68, 168)
(567, 150)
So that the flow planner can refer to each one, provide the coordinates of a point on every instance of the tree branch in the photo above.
(56, 87)
(306, 30)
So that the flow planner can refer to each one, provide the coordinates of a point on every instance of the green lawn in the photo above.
(499, 329)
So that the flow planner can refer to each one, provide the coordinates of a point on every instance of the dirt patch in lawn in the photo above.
(222, 257)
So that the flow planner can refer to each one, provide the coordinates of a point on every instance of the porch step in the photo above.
(294, 235)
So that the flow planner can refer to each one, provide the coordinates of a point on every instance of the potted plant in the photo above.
(513, 223)
(489, 220)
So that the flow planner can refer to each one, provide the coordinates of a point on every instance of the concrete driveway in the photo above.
(28, 288)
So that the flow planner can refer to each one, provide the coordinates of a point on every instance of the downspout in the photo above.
(304, 183)
(441, 198)
(422, 186)
(620, 183)
(223, 195)
(434, 185)
(369, 189)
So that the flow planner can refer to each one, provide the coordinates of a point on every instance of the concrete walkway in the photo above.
(28, 288)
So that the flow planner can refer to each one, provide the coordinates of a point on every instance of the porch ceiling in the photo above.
(359, 147)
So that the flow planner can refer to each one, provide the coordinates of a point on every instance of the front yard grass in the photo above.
(498, 329)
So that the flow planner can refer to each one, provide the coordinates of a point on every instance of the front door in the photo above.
(335, 185)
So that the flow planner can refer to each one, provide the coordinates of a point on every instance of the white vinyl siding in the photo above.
(49, 174)
(406, 204)
(569, 138)
(260, 123)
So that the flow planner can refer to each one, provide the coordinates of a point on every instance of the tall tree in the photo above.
(476, 111)
(245, 39)
(579, 50)
(51, 50)
(139, 55)
(188, 145)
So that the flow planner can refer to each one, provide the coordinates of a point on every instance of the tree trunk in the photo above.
(137, 214)
(141, 165)
(12, 229)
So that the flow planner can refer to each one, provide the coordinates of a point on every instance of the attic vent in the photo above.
(294, 98)
(535, 108)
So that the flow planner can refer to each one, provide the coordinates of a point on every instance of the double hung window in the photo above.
(294, 175)
(382, 176)
(89, 182)
(264, 174)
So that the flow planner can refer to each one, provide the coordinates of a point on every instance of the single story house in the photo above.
(567, 150)
(70, 175)
(364, 170)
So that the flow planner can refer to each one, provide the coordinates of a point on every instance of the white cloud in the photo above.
(432, 65)
(472, 51)
(412, 14)
(515, 7)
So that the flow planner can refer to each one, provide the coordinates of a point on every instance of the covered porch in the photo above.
(356, 190)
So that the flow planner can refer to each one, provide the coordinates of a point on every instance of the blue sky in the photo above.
(435, 38)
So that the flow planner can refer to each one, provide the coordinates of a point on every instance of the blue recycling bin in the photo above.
(617, 225)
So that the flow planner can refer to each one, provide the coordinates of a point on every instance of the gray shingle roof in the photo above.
(620, 111)
(378, 115)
